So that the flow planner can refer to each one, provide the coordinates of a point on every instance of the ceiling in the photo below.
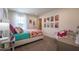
(32, 11)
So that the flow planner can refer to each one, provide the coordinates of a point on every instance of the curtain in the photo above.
(21, 21)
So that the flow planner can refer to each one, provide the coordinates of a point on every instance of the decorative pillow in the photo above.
(19, 30)
(12, 29)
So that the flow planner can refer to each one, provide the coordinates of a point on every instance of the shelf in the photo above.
(8, 46)
(4, 40)
(5, 49)
(4, 28)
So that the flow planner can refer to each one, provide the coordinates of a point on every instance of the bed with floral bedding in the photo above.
(27, 37)
(22, 37)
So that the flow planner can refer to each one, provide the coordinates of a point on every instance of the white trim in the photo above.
(21, 42)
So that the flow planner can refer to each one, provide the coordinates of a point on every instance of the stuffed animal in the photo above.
(62, 33)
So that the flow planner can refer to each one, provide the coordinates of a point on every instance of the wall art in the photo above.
(52, 18)
(56, 25)
(48, 18)
(45, 25)
(44, 19)
(30, 21)
(48, 25)
(57, 18)
(52, 24)
(33, 23)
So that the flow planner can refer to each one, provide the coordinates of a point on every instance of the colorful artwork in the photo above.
(30, 21)
(52, 18)
(57, 18)
(33, 23)
(48, 18)
(56, 25)
(47, 25)
(50, 21)
(44, 25)
(44, 19)
(52, 25)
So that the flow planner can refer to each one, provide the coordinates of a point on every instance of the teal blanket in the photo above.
(21, 36)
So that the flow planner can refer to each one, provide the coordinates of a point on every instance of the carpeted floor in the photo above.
(47, 44)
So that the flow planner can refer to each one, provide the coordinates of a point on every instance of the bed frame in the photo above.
(29, 40)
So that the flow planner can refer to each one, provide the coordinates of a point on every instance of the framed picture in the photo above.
(56, 25)
(57, 18)
(48, 18)
(45, 25)
(48, 25)
(44, 19)
(33, 23)
(30, 21)
(52, 25)
(52, 18)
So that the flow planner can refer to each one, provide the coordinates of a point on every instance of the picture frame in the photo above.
(44, 19)
(45, 25)
(56, 25)
(52, 18)
(52, 25)
(48, 25)
(30, 21)
(33, 23)
(48, 18)
(57, 18)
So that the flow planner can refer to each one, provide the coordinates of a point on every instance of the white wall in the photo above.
(68, 19)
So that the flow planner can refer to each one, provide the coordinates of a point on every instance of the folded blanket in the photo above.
(21, 36)
(35, 33)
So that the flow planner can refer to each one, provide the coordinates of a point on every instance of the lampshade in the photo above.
(4, 26)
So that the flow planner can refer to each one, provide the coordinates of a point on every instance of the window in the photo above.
(21, 21)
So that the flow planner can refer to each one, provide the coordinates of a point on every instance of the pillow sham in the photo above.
(19, 30)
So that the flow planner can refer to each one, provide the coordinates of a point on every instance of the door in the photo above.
(40, 23)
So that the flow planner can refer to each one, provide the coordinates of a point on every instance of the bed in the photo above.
(27, 37)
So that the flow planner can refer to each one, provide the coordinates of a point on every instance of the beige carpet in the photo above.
(47, 44)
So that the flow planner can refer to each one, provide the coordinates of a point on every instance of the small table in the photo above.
(4, 40)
